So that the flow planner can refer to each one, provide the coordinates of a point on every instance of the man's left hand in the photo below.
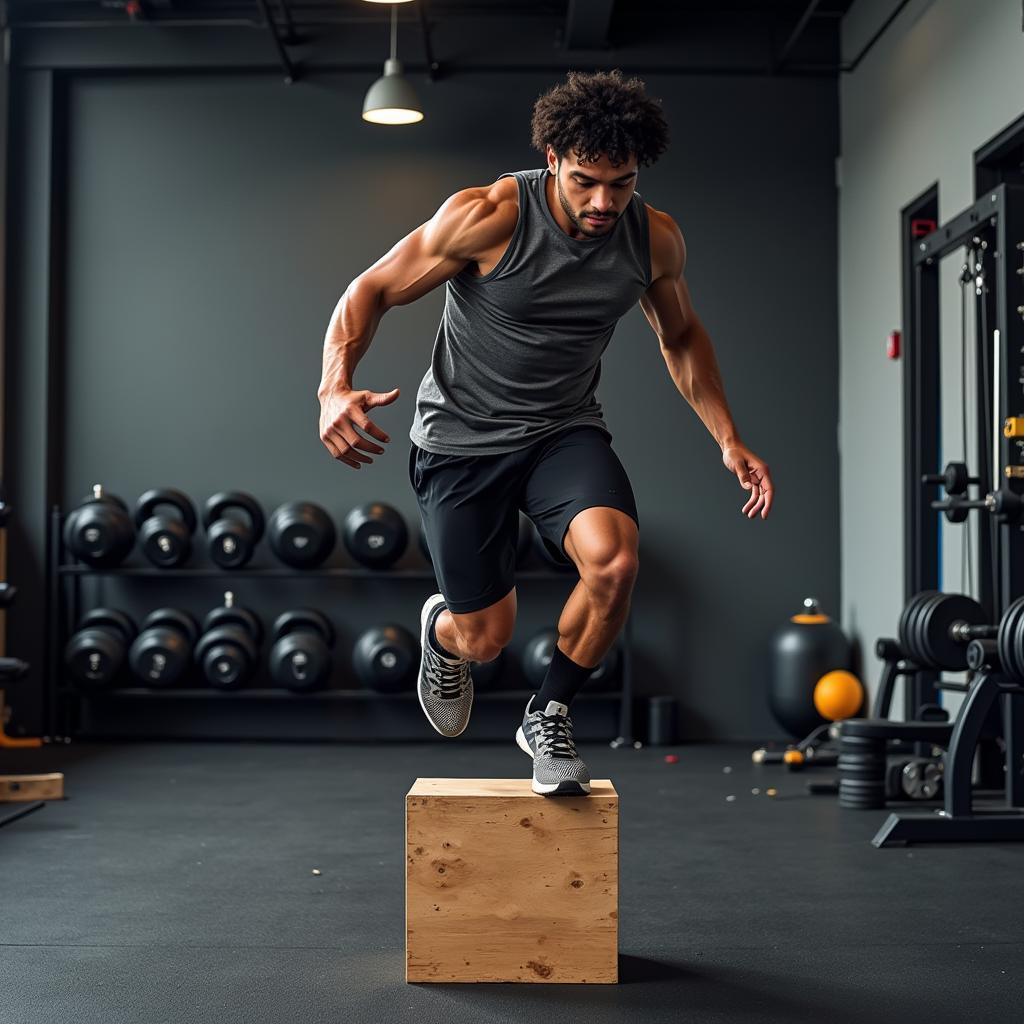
(753, 476)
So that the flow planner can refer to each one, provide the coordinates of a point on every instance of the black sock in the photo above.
(563, 681)
(436, 644)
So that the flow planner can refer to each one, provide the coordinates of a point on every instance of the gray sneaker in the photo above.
(547, 737)
(445, 686)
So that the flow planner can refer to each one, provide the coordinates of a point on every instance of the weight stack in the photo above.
(862, 765)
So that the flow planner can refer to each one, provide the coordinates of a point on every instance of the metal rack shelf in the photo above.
(266, 693)
(199, 572)
(66, 601)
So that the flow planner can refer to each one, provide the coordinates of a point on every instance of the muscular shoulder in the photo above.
(668, 247)
(475, 220)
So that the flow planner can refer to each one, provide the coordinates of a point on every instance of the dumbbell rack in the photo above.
(64, 699)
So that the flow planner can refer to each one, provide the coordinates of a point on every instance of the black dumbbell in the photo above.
(229, 647)
(300, 659)
(385, 658)
(1005, 505)
(954, 478)
(231, 538)
(166, 540)
(95, 653)
(8, 592)
(162, 651)
(540, 649)
(99, 531)
(375, 534)
(301, 534)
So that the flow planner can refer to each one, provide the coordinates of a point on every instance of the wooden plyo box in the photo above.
(504, 885)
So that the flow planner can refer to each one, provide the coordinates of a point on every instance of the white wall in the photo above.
(946, 77)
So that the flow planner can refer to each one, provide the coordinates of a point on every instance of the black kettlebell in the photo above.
(95, 653)
(300, 659)
(166, 540)
(375, 534)
(228, 649)
(99, 531)
(232, 539)
(385, 658)
(162, 651)
(301, 534)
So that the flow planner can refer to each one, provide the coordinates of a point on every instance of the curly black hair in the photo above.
(600, 112)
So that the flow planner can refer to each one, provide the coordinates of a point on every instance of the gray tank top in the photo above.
(517, 356)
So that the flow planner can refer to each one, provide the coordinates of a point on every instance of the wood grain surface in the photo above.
(506, 885)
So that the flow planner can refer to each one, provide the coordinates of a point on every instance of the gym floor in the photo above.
(176, 883)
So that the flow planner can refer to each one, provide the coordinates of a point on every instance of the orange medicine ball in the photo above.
(838, 695)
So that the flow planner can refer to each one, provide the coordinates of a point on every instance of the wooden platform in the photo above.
(506, 885)
(22, 788)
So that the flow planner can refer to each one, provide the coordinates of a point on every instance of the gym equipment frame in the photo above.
(993, 228)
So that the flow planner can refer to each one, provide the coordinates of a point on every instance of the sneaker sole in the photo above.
(566, 787)
(424, 618)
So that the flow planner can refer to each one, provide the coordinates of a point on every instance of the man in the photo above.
(538, 266)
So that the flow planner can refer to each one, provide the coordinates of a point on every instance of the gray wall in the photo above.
(213, 222)
(946, 78)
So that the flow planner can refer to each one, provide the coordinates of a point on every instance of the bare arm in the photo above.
(466, 225)
(691, 361)
(685, 344)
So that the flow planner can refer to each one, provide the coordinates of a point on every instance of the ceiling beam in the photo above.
(282, 54)
(797, 32)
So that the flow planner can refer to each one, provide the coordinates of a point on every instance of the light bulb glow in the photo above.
(392, 115)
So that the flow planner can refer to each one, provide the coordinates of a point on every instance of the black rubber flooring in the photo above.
(175, 884)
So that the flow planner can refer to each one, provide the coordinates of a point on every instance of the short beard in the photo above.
(563, 201)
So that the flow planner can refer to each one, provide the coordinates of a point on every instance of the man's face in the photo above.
(594, 195)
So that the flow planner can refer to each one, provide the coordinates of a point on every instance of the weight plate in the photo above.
(901, 626)
(1015, 642)
(936, 624)
(914, 637)
(1011, 651)
(918, 629)
(1001, 648)
(910, 607)
(1003, 645)
(1008, 639)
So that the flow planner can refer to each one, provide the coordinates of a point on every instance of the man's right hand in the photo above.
(341, 411)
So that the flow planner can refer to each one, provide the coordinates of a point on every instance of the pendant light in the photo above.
(391, 99)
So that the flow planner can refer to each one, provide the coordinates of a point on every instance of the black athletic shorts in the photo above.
(469, 507)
